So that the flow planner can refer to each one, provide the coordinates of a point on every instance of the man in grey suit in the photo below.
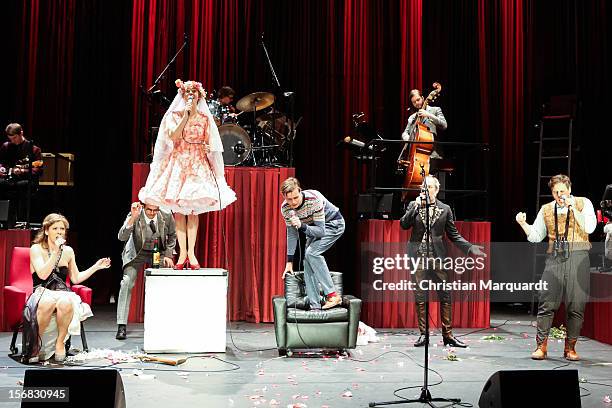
(141, 228)
(431, 116)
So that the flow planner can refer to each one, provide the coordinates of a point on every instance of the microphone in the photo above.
(353, 142)
(565, 197)
(190, 100)
(60, 241)
(291, 214)
(356, 143)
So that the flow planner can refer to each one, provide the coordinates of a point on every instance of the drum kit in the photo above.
(257, 135)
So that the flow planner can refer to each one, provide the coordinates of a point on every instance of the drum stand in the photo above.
(254, 136)
(266, 158)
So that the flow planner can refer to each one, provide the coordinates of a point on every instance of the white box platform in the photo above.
(185, 310)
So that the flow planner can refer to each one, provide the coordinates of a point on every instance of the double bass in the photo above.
(416, 155)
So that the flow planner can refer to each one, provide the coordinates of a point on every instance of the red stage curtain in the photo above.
(393, 313)
(501, 56)
(45, 62)
(512, 125)
(483, 66)
(8, 240)
(356, 81)
(411, 15)
(255, 236)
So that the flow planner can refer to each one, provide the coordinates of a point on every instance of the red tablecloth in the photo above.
(256, 242)
(469, 309)
(597, 314)
(8, 240)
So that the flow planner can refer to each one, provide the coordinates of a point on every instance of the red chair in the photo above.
(20, 289)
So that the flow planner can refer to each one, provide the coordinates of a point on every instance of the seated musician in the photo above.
(222, 108)
(431, 116)
(20, 162)
(226, 96)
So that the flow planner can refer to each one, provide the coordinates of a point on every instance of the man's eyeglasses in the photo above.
(151, 210)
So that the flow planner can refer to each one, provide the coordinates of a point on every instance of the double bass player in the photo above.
(430, 116)
(421, 129)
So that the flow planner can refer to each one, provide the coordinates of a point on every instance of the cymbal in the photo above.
(255, 101)
(270, 116)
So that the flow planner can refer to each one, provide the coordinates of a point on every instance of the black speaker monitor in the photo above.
(531, 388)
(4, 213)
(86, 388)
(385, 206)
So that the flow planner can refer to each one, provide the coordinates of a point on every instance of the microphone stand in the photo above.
(161, 76)
(289, 96)
(30, 156)
(425, 397)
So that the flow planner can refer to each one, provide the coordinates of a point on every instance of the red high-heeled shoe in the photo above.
(181, 266)
(194, 266)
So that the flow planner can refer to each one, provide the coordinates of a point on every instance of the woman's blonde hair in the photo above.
(49, 220)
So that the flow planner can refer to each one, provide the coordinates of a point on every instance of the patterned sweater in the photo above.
(313, 213)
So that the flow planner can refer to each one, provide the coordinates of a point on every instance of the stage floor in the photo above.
(316, 381)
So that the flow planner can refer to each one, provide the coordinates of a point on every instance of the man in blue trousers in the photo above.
(310, 212)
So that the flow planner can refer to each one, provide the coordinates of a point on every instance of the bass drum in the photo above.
(237, 145)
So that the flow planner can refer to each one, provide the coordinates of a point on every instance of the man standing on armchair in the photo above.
(310, 212)
(441, 221)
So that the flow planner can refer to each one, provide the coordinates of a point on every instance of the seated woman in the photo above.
(51, 262)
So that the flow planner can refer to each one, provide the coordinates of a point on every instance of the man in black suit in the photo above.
(441, 221)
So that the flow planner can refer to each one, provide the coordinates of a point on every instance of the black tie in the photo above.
(152, 225)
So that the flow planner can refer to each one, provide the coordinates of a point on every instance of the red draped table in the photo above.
(469, 309)
(8, 240)
(598, 312)
(255, 236)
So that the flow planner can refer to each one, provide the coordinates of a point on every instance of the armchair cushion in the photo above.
(337, 314)
(295, 289)
(84, 292)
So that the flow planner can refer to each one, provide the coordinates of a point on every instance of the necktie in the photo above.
(152, 225)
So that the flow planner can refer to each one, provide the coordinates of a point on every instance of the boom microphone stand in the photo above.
(30, 158)
(148, 93)
(289, 96)
(425, 397)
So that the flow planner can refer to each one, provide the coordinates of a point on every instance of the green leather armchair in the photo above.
(297, 327)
